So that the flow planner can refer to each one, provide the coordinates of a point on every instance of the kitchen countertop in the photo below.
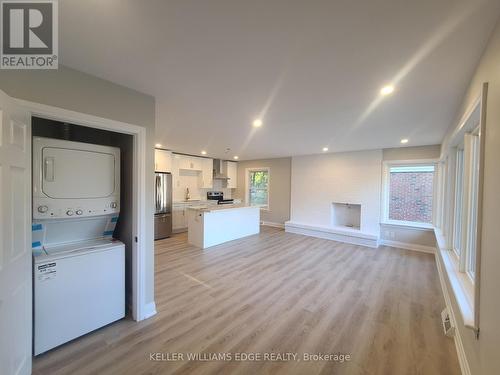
(191, 201)
(203, 201)
(220, 207)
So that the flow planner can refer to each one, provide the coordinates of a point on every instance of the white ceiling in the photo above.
(311, 69)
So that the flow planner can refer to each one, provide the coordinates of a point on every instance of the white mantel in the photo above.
(346, 177)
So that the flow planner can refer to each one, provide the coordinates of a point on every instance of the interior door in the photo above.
(15, 239)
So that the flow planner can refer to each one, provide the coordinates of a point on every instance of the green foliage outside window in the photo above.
(259, 183)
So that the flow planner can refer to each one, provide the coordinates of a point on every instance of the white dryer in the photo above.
(74, 179)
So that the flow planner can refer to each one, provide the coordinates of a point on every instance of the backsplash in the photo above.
(189, 179)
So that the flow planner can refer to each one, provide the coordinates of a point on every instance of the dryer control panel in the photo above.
(44, 208)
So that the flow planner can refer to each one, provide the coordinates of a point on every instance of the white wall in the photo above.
(412, 153)
(73, 90)
(483, 353)
(279, 188)
(348, 177)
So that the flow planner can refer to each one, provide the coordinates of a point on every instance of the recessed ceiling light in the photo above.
(257, 123)
(203, 152)
(325, 149)
(158, 145)
(404, 140)
(387, 90)
(235, 157)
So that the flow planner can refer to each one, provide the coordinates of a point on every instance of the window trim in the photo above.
(247, 187)
(387, 165)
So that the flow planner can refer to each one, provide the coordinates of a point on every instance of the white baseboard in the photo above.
(272, 224)
(409, 246)
(336, 234)
(148, 310)
(179, 230)
(462, 358)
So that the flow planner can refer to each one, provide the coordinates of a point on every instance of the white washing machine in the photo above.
(79, 287)
(78, 268)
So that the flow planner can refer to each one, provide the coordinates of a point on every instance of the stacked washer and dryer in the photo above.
(78, 267)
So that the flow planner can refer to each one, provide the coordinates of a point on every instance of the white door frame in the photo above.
(140, 309)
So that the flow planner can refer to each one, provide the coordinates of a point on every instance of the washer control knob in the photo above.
(79, 212)
(43, 209)
(113, 205)
(69, 212)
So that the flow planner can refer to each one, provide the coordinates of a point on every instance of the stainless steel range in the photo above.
(219, 197)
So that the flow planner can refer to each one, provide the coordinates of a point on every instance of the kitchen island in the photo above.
(213, 225)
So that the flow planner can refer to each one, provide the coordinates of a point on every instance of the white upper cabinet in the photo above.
(202, 166)
(190, 162)
(207, 175)
(163, 161)
(232, 173)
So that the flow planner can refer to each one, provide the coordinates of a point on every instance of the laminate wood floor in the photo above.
(276, 293)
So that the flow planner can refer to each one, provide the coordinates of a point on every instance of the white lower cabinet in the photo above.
(179, 218)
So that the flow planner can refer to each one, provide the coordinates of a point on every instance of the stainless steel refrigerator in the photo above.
(163, 205)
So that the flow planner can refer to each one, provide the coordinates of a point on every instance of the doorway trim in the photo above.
(140, 309)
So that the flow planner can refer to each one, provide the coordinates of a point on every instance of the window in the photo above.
(459, 188)
(409, 193)
(257, 187)
(459, 233)
(465, 215)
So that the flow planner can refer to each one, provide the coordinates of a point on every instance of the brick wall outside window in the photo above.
(410, 196)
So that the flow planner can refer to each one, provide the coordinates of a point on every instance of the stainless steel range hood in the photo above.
(220, 170)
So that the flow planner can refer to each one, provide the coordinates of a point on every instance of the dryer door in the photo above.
(69, 173)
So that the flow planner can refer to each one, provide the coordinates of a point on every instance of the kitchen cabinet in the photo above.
(180, 214)
(207, 175)
(192, 163)
(232, 173)
(163, 161)
(179, 218)
(202, 166)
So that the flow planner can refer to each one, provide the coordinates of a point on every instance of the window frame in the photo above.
(457, 240)
(467, 257)
(265, 207)
(387, 165)
(465, 285)
(473, 204)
